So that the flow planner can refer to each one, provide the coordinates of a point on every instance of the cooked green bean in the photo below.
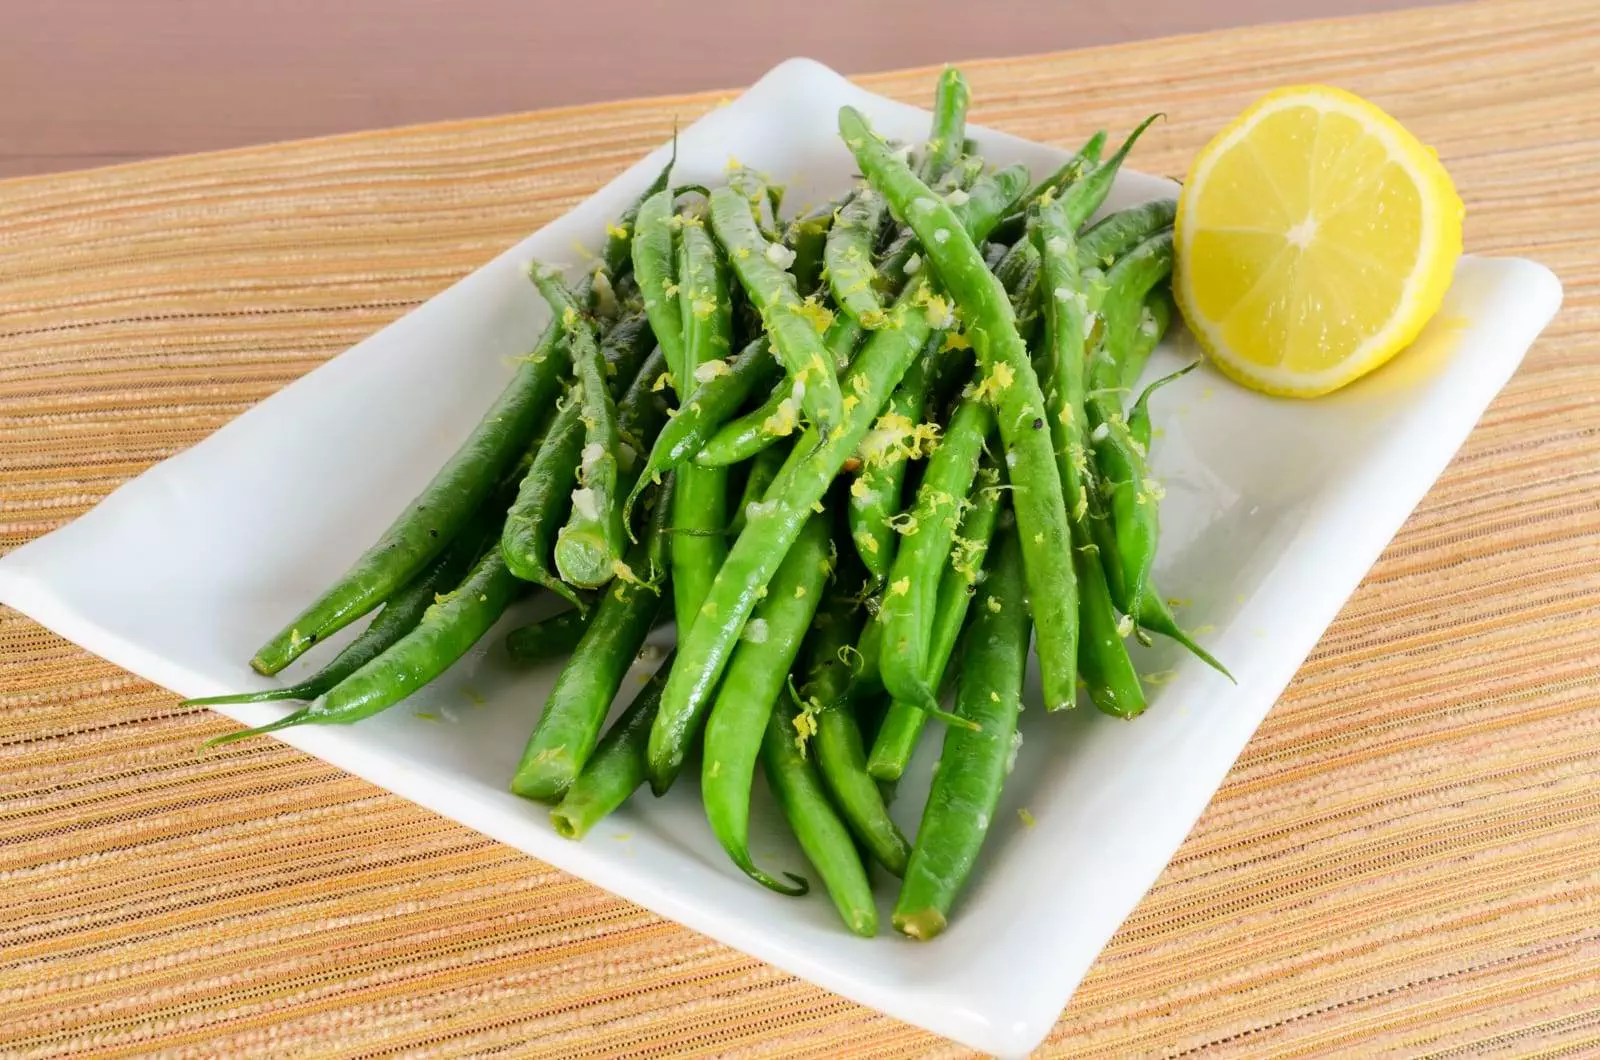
(1154, 319)
(616, 769)
(1010, 383)
(1072, 170)
(849, 257)
(654, 268)
(841, 759)
(548, 638)
(794, 328)
(541, 504)
(876, 494)
(806, 237)
(912, 597)
(1103, 242)
(447, 630)
(762, 471)
(950, 99)
(1085, 193)
(1139, 415)
(1124, 473)
(904, 721)
(591, 542)
(974, 764)
(754, 682)
(619, 243)
(437, 514)
(576, 708)
(744, 436)
(704, 648)
(700, 497)
(705, 409)
(1103, 660)
(823, 837)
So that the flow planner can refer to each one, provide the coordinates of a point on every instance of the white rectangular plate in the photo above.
(1274, 511)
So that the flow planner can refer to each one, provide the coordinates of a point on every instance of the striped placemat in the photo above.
(1406, 860)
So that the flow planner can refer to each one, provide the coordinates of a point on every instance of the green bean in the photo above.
(754, 682)
(744, 436)
(1122, 305)
(950, 98)
(849, 257)
(1154, 319)
(700, 497)
(807, 238)
(592, 540)
(1124, 474)
(541, 504)
(763, 469)
(823, 837)
(436, 515)
(654, 268)
(1103, 660)
(704, 648)
(1072, 170)
(1139, 415)
(1103, 242)
(983, 202)
(763, 196)
(840, 756)
(641, 411)
(616, 769)
(399, 615)
(974, 764)
(912, 598)
(576, 708)
(1108, 671)
(619, 242)
(904, 721)
(792, 326)
(876, 494)
(548, 638)
(1013, 387)
(1018, 273)
(452, 625)
(1086, 193)
(704, 411)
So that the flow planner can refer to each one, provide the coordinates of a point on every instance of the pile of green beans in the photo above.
(860, 455)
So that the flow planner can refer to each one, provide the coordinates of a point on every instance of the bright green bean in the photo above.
(616, 769)
(768, 534)
(904, 721)
(841, 759)
(912, 597)
(848, 254)
(436, 515)
(823, 836)
(950, 99)
(654, 268)
(576, 708)
(593, 539)
(1010, 383)
(754, 682)
(794, 328)
(974, 764)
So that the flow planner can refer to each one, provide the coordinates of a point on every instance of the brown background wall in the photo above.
(91, 82)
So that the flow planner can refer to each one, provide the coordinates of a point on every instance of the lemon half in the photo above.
(1315, 238)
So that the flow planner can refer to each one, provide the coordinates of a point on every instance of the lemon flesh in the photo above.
(1315, 238)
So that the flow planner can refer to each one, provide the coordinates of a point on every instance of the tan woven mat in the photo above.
(1406, 860)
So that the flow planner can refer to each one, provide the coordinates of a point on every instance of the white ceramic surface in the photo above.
(1274, 511)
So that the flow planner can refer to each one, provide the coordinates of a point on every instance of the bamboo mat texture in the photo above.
(1405, 862)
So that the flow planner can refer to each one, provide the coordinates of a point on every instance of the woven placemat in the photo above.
(1404, 861)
